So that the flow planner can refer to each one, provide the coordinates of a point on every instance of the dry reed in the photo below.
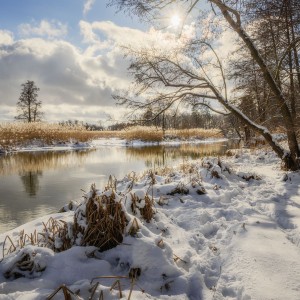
(66, 292)
(143, 133)
(17, 134)
(194, 133)
(134, 228)
(105, 221)
(180, 189)
(56, 235)
(146, 209)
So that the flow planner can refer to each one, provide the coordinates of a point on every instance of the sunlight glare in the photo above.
(175, 21)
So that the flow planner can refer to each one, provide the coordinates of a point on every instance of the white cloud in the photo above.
(110, 32)
(87, 6)
(6, 37)
(74, 83)
(52, 29)
(86, 30)
(90, 114)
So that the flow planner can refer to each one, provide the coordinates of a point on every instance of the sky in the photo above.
(68, 47)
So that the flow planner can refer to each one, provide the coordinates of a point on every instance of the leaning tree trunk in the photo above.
(261, 130)
(291, 159)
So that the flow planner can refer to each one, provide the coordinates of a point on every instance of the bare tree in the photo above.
(29, 107)
(187, 80)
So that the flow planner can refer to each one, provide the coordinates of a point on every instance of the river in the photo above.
(33, 184)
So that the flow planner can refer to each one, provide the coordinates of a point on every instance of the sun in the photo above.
(175, 20)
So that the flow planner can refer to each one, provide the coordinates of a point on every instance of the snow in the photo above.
(224, 228)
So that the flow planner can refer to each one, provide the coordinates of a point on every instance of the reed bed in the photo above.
(155, 134)
(19, 134)
(195, 133)
(143, 133)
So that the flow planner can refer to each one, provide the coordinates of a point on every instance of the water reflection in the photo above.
(159, 156)
(37, 161)
(35, 184)
(30, 181)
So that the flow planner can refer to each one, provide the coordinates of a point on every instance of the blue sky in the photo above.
(13, 13)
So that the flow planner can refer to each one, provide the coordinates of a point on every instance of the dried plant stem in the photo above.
(66, 291)
(118, 284)
(93, 290)
(131, 287)
(9, 250)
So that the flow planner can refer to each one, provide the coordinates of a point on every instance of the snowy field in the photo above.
(220, 229)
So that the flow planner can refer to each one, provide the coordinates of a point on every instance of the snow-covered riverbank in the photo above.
(35, 146)
(221, 229)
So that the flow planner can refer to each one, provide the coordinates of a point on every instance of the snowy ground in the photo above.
(220, 231)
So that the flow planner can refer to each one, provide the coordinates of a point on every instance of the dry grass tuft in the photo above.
(134, 228)
(142, 206)
(111, 184)
(215, 174)
(201, 191)
(180, 189)
(105, 221)
(147, 211)
(151, 177)
(56, 235)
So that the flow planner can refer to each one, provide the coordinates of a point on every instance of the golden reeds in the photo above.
(195, 133)
(105, 221)
(17, 134)
(154, 134)
(143, 133)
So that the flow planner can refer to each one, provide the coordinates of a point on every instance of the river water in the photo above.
(33, 184)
